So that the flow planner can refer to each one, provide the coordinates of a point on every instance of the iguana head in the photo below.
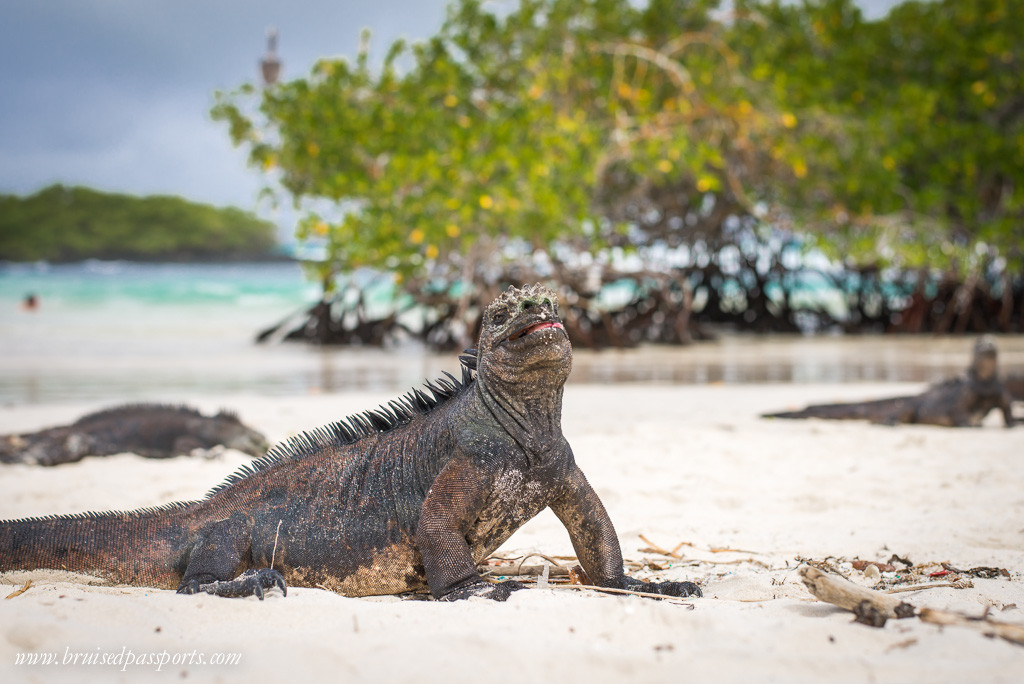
(226, 428)
(522, 339)
(984, 365)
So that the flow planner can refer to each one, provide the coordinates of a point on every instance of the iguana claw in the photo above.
(664, 588)
(496, 592)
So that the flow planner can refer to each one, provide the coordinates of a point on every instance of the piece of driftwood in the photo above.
(874, 608)
(870, 607)
(990, 628)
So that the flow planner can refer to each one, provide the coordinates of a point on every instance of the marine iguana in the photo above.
(963, 401)
(406, 497)
(1015, 385)
(150, 430)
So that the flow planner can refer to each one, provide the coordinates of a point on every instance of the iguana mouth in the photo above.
(536, 327)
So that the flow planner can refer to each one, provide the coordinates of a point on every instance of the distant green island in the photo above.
(63, 224)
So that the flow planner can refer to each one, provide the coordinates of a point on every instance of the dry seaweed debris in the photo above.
(564, 572)
(890, 576)
(830, 564)
(675, 555)
(655, 549)
(882, 567)
(556, 567)
(874, 608)
(983, 571)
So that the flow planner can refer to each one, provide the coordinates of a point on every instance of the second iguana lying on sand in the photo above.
(150, 430)
(403, 498)
(963, 401)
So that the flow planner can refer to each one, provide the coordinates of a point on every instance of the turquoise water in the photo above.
(116, 331)
(98, 283)
(122, 308)
(120, 331)
(129, 329)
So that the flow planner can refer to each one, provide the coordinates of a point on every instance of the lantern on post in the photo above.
(270, 65)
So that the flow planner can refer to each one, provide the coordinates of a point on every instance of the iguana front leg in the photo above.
(596, 544)
(453, 503)
(216, 557)
(1006, 407)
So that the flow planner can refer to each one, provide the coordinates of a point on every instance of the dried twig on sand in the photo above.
(628, 592)
(958, 584)
(654, 548)
(19, 592)
(985, 625)
(674, 553)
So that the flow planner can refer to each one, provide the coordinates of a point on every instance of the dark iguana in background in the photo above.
(1015, 385)
(407, 497)
(150, 430)
(963, 401)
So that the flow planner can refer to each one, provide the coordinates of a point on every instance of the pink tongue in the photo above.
(542, 326)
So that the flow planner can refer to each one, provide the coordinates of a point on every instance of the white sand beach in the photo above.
(692, 468)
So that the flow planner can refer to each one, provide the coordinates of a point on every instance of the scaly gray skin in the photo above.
(404, 498)
(1015, 385)
(959, 402)
(150, 430)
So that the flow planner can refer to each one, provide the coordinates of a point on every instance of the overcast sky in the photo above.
(115, 94)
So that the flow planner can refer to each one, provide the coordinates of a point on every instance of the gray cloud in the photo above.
(116, 94)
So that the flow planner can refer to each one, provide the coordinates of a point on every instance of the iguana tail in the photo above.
(10, 447)
(46, 447)
(894, 410)
(143, 547)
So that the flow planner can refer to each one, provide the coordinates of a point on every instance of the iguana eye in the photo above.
(499, 318)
